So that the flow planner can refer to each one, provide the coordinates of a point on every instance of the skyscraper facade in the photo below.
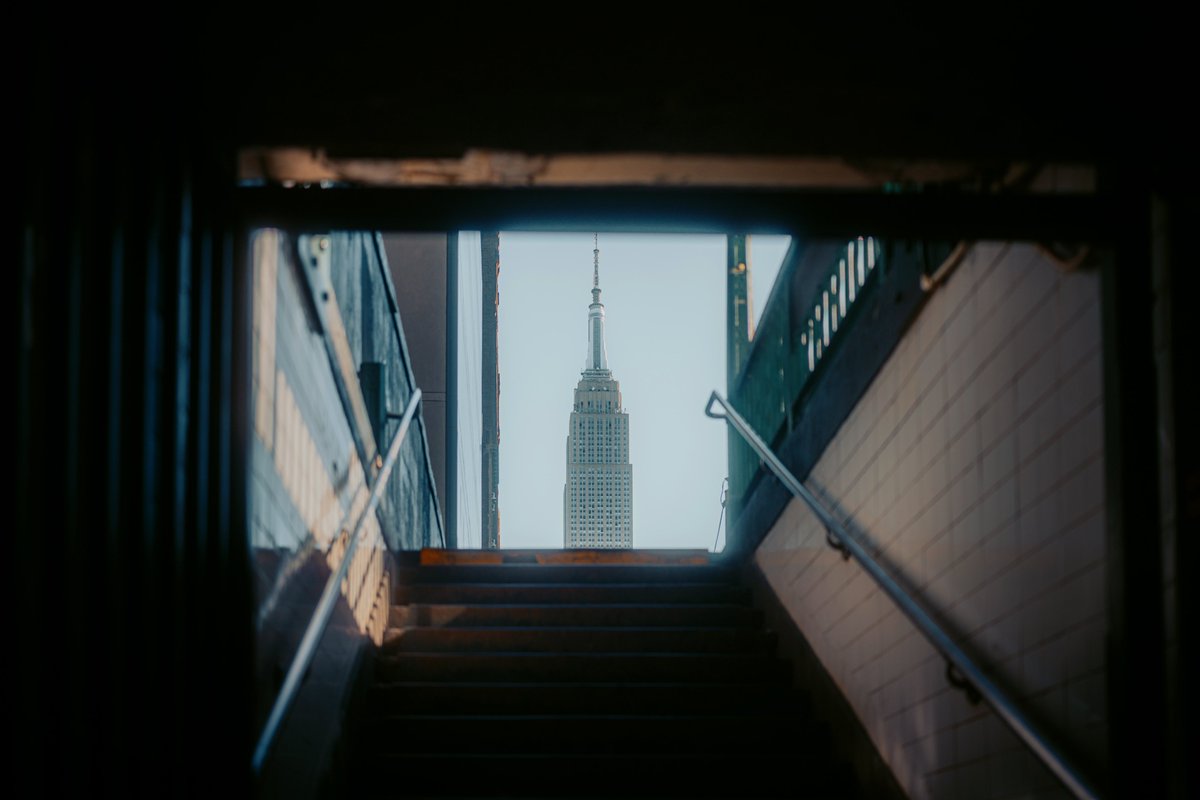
(598, 495)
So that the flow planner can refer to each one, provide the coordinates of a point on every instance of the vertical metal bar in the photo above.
(489, 389)
(737, 288)
(842, 298)
(1176, 287)
(451, 509)
(1136, 668)
(812, 359)
(232, 441)
(825, 317)
(737, 349)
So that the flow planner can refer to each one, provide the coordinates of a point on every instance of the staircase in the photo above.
(585, 674)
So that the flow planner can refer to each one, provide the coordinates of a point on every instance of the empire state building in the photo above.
(598, 495)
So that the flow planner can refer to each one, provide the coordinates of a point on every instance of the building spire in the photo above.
(597, 360)
(596, 269)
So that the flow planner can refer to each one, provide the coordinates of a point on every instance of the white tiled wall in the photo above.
(975, 463)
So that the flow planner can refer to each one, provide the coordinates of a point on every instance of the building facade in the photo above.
(598, 495)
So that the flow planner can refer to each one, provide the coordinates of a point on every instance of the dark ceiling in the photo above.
(1003, 83)
(891, 85)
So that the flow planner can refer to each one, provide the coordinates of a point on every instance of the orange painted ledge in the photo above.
(431, 556)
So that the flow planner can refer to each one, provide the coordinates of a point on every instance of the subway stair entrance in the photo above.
(585, 674)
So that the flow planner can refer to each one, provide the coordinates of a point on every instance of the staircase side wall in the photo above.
(307, 487)
(975, 464)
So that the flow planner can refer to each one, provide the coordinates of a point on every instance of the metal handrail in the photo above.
(320, 618)
(969, 676)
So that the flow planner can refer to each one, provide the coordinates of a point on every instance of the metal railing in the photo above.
(961, 671)
(802, 323)
(320, 618)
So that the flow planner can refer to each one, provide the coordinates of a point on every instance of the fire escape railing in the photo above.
(961, 671)
(324, 610)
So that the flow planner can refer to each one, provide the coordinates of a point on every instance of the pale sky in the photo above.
(664, 298)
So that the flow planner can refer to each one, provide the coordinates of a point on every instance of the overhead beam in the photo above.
(483, 167)
(814, 214)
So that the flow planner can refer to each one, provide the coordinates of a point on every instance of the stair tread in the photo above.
(650, 759)
(575, 638)
(614, 774)
(530, 685)
(631, 605)
(589, 629)
(586, 716)
(576, 593)
(581, 584)
(574, 573)
(547, 654)
(607, 654)
(432, 556)
(580, 606)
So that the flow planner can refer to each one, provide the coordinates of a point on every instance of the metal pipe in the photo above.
(450, 440)
(911, 608)
(320, 618)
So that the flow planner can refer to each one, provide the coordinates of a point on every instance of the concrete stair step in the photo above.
(574, 667)
(577, 640)
(632, 734)
(431, 556)
(626, 697)
(566, 573)
(801, 775)
(571, 593)
(448, 615)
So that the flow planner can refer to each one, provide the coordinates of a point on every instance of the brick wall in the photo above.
(974, 463)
